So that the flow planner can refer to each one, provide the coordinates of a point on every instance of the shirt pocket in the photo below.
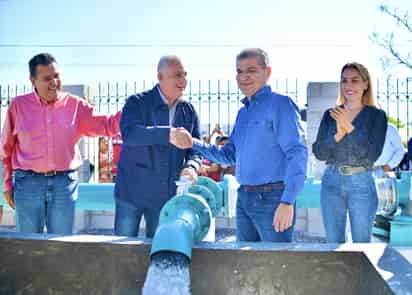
(262, 130)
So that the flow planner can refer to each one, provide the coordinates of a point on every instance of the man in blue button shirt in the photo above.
(267, 146)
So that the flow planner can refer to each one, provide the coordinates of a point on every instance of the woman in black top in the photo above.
(350, 139)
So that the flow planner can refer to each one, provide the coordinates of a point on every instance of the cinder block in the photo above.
(101, 219)
(315, 222)
(225, 222)
(80, 221)
(314, 123)
(301, 225)
(313, 89)
(330, 90)
(80, 90)
(301, 213)
(319, 103)
(8, 217)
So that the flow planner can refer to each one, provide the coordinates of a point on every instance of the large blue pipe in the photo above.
(186, 219)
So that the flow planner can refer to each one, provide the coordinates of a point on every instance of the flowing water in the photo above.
(168, 273)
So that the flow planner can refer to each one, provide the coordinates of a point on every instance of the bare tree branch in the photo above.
(401, 60)
(400, 20)
(396, 56)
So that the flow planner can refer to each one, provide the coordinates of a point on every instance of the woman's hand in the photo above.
(343, 123)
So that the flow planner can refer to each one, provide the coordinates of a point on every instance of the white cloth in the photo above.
(393, 150)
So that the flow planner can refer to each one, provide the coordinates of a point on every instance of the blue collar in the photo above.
(257, 96)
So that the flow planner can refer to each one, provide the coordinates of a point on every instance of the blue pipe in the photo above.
(183, 220)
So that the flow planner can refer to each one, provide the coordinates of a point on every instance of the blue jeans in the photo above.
(45, 201)
(254, 217)
(127, 219)
(341, 194)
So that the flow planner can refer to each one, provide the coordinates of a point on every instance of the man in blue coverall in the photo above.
(268, 148)
(149, 165)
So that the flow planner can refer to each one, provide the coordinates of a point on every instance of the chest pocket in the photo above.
(261, 125)
(263, 129)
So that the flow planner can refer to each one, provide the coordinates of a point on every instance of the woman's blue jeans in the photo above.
(354, 194)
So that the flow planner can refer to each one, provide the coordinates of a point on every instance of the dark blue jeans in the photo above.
(45, 201)
(254, 217)
(341, 194)
(127, 219)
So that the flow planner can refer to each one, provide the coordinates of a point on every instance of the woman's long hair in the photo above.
(367, 97)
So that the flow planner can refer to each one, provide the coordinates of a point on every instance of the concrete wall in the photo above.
(85, 265)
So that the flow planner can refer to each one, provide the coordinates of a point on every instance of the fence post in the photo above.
(228, 107)
(407, 109)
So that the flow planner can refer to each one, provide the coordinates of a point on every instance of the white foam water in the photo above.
(169, 274)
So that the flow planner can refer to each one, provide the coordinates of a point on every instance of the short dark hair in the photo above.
(261, 56)
(40, 59)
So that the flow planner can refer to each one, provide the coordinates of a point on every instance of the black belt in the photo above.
(263, 188)
(49, 173)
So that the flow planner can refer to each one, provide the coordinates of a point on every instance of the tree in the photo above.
(396, 122)
(398, 45)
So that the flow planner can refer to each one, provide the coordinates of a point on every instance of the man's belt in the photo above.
(263, 188)
(49, 173)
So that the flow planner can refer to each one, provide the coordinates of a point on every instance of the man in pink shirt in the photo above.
(39, 144)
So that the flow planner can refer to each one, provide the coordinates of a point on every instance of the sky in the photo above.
(123, 40)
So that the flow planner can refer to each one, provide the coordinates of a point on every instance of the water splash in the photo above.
(168, 273)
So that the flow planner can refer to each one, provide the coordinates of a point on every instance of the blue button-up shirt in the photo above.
(267, 144)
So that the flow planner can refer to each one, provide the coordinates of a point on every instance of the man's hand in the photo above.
(203, 169)
(386, 168)
(181, 138)
(9, 198)
(190, 173)
(283, 217)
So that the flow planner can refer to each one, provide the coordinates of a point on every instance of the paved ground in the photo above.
(222, 234)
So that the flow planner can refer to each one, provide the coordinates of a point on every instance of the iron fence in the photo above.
(217, 102)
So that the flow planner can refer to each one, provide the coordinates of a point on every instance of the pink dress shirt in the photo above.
(44, 137)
